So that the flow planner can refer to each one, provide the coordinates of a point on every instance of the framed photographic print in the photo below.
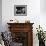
(20, 10)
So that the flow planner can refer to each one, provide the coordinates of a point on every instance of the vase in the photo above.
(41, 43)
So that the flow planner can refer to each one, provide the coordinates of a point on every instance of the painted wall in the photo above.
(43, 6)
(33, 10)
(43, 14)
(0, 15)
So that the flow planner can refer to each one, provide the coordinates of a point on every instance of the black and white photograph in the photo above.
(20, 10)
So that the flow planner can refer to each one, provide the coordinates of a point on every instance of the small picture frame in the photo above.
(20, 10)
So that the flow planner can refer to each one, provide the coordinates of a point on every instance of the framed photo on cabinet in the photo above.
(20, 10)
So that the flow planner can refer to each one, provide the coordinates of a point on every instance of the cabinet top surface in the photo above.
(19, 23)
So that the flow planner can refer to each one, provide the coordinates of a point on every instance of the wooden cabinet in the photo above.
(22, 33)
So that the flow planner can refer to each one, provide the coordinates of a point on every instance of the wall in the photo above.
(33, 10)
(43, 14)
(33, 14)
(0, 15)
(43, 6)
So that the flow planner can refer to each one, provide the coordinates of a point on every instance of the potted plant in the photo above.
(41, 36)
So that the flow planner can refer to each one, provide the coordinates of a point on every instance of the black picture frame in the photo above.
(20, 10)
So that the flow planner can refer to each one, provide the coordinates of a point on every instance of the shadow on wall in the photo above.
(43, 6)
(0, 15)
